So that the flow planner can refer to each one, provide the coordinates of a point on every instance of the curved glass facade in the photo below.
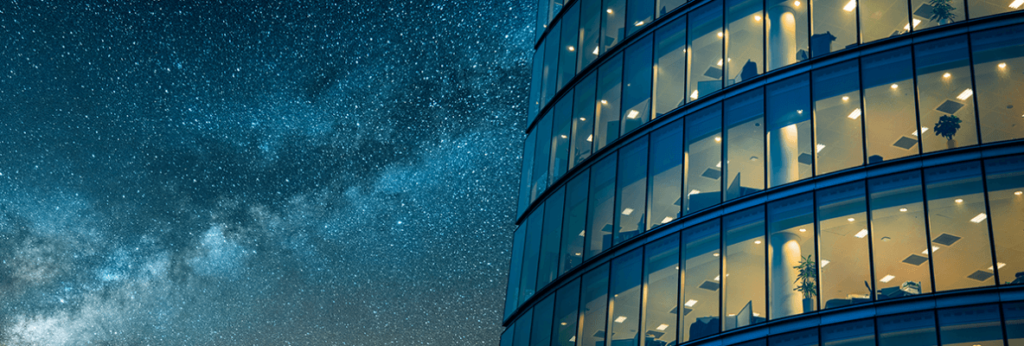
(696, 171)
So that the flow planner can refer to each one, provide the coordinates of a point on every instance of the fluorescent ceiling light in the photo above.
(1018, 193)
(946, 75)
(662, 327)
(572, 339)
(846, 98)
(757, 242)
(694, 192)
(757, 18)
(1016, 4)
(719, 62)
(934, 249)
(965, 95)
(894, 86)
(903, 210)
(627, 211)
(590, 138)
(863, 233)
(958, 200)
(718, 277)
(820, 147)
(690, 303)
(855, 114)
(916, 22)
(596, 50)
(1000, 266)
(583, 233)
(693, 95)
(803, 230)
(620, 319)
(720, 35)
(718, 139)
(719, 165)
(851, 219)
(887, 278)
(639, 23)
(850, 6)
(824, 263)
(604, 102)
(978, 219)
(716, 255)
(633, 114)
(923, 130)
(667, 219)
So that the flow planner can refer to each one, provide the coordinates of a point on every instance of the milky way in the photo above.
(282, 173)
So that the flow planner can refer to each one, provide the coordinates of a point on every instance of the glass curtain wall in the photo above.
(744, 144)
(883, 18)
(583, 120)
(569, 38)
(703, 159)
(661, 282)
(613, 23)
(945, 94)
(641, 13)
(744, 268)
(1005, 180)
(666, 176)
(787, 32)
(551, 238)
(981, 8)
(958, 222)
(515, 271)
(561, 129)
(624, 300)
(793, 265)
(837, 118)
(999, 75)
(835, 26)
(590, 25)
(541, 157)
(857, 333)
(899, 237)
(609, 93)
(636, 88)
(914, 329)
(971, 325)
(701, 281)
(890, 110)
(531, 254)
(540, 332)
(574, 226)
(631, 196)
(789, 131)
(843, 245)
(744, 40)
(706, 43)
(670, 66)
(594, 309)
(566, 314)
(602, 207)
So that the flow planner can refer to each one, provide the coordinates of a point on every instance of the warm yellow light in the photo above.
(693, 95)
(1002, 65)
(797, 3)
(719, 62)
(1018, 193)
(903, 210)
(757, 242)
(846, 98)
(721, 34)
(572, 49)
(1016, 4)
(958, 200)
(718, 139)
(609, 11)
(597, 50)
(850, 6)
(639, 23)
(604, 102)
(894, 86)
(757, 18)
(946, 75)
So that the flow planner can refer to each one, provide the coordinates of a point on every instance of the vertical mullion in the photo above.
(871, 235)
(860, 40)
(767, 266)
(863, 115)
(927, 229)
(917, 101)
(643, 296)
(974, 87)
(991, 231)
(817, 254)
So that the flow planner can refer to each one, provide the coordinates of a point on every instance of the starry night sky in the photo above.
(240, 173)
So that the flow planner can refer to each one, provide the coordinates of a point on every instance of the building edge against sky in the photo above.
(720, 172)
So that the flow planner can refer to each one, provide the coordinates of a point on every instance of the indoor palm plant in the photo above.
(806, 285)
(942, 11)
(947, 127)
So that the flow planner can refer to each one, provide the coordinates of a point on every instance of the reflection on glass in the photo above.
(787, 32)
(857, 333)
(583, 120)
(541, 156)
(744, 40)
(595, 307)
(609, 93)
(624, 302)
(926, 14)
(531, 253)
(789, 131)
(837, 118)
(536, 84)
(631, 198)
(561, 128)
(889, 109)
(972, 325)
(506, 336)
(567, 52)
(526, 179)
(944, 90)
(703, 160)
(613, 23)
(523, 324)
(744, 268)
(547, 270)
(883, 18)
(702, 279)
(666, 6)
(835, 26)
(898, 238)
(744, 144)
(661, 276)
(590, 23)
(793, 267)
(574, 226)
(602, 207)
(515, 271)
(670, 67)
(998, 66)
(566, 313)
(1005, 178)
(843, 246)
(641, 13)
(916, 329)
(1013, 313)
(958, 223)
(551, 49)
(981, 8)
(543, 16)
(636, 88)
(540, 333)
(666, 174)
(806, 337)
(706, 39)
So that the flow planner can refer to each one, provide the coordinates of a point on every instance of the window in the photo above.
(837, 118)
(541, 157)
(624, 301)
(590, 25)
(540, 333)
(609, 93)
(1005, 177)
(703, 159)
(526, 180)
(566, 314)
(602, 207)
(883, 18)
(670, 66)
(981, 8)
(889, 107)
(506, 336)
(793, 267)
(636, 89)
(925, 15)
(744, 144)
(744, 269)
(972, 325)
(543, 16)
(583, 120)
(787, 33)
(547, 270)
(900, 244)
(916, 329)
(666, 181)
(789, 131)
(551, 50)
(857, 333)
(744, 40)
(944, 89)
(958, 222)
(561, 128)
(1014, 316)
(630, 215)
(641, 13)
(567, 55)
(843, 245)
(661, 277)
(531, 253)
(806, 337)
(613, 23)
(515, 271)
(574, 227)
(998, 64)
(706, 38)
(702, 279)
(666, 6)
(536, 84)
(595, 307)
(835, 26)
(523, 325)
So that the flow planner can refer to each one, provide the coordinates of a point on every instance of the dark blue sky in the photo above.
(281, 173)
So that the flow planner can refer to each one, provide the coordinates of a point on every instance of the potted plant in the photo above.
(942, 11)
(947, 127)
(806, 285)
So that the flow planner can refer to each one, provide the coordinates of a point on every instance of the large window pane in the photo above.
(515, 271)
(574, 226)
(744, 144)
(883, 18)
(789, 131)
(703, 159)
(661, 277)
(543, 16)
(551, 50)
(541, 156)
(531, 254)
(1014, 315)
(957, 219)
(536, 84)
(706, 39)
(944, 89)
(1005, 179)
(670, 67)
(835, 26)
(900, 244)
(744, 40)
(787, 32)
(523, 325)
(595, 307)
(793, 266)
(981, 8)
(631, 198)
(547, 270)
(843, 245)
(890, 113)
(857, 333)
(636, 89)
(837, 121)
(613, 23)
(583, 120)
(666, 182)
(566, 314)
(526, 179)
(973, 325)
(590, 25)
(506, 336)
(602, 207)
(567, 50)
(666, 6)
(998, 68)
(916, 329)
(561, 128)
(806, 337)
(702, 279)
(540, 333)
(744, 268)
(641, 13)
(609, 93)
(926, 14)
(624, 301)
